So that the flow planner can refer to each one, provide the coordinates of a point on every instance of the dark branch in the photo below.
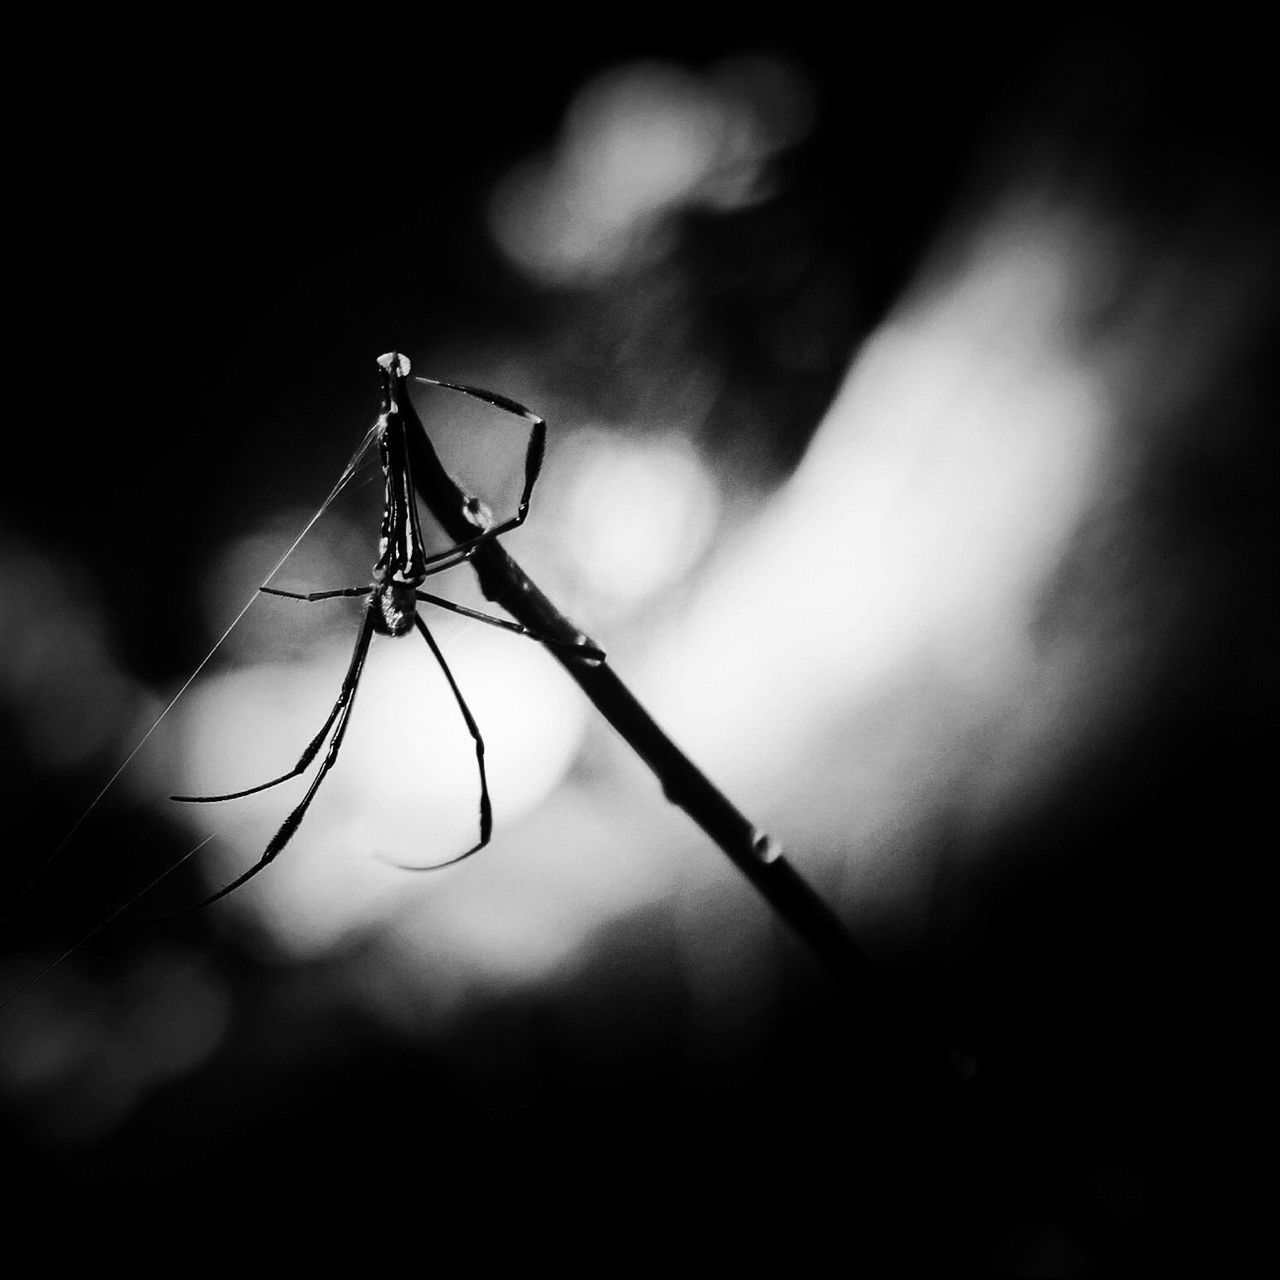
(755, 854)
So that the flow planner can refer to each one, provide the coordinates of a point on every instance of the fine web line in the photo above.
(86, 938)
(341, 484)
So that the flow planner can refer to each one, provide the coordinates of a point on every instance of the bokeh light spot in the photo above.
(637, 513)
(641, 142)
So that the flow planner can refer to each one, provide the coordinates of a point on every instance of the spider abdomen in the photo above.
(394, 607)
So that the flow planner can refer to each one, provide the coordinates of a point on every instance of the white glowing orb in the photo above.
(640, 141)
(638, 512)
(404, 789)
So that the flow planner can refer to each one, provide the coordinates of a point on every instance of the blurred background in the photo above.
(912, 455)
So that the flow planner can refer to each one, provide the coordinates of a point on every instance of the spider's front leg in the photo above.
(426, 463)
(583, 648)
(311, 597)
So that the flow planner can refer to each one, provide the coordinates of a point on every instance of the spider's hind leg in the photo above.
(345, 695)
(339, 718)
(486, 809)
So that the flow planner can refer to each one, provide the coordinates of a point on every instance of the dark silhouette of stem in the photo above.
(502, 581)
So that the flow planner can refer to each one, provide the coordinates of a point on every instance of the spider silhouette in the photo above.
(394, 595)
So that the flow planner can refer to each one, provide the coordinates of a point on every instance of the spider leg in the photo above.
(317, 595)
(341, 714)
(494, 398)
(486, 809)
(312, 747)
(586, 650)
(534, 454)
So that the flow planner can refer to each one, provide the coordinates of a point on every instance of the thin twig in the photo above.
(502, 581)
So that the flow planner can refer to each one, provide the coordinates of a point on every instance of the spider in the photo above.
(394, 596)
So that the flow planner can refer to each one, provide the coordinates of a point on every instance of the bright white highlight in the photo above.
(889, 648)
(635, 515)
(405, 788)
(639, 143)
(394, 362)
